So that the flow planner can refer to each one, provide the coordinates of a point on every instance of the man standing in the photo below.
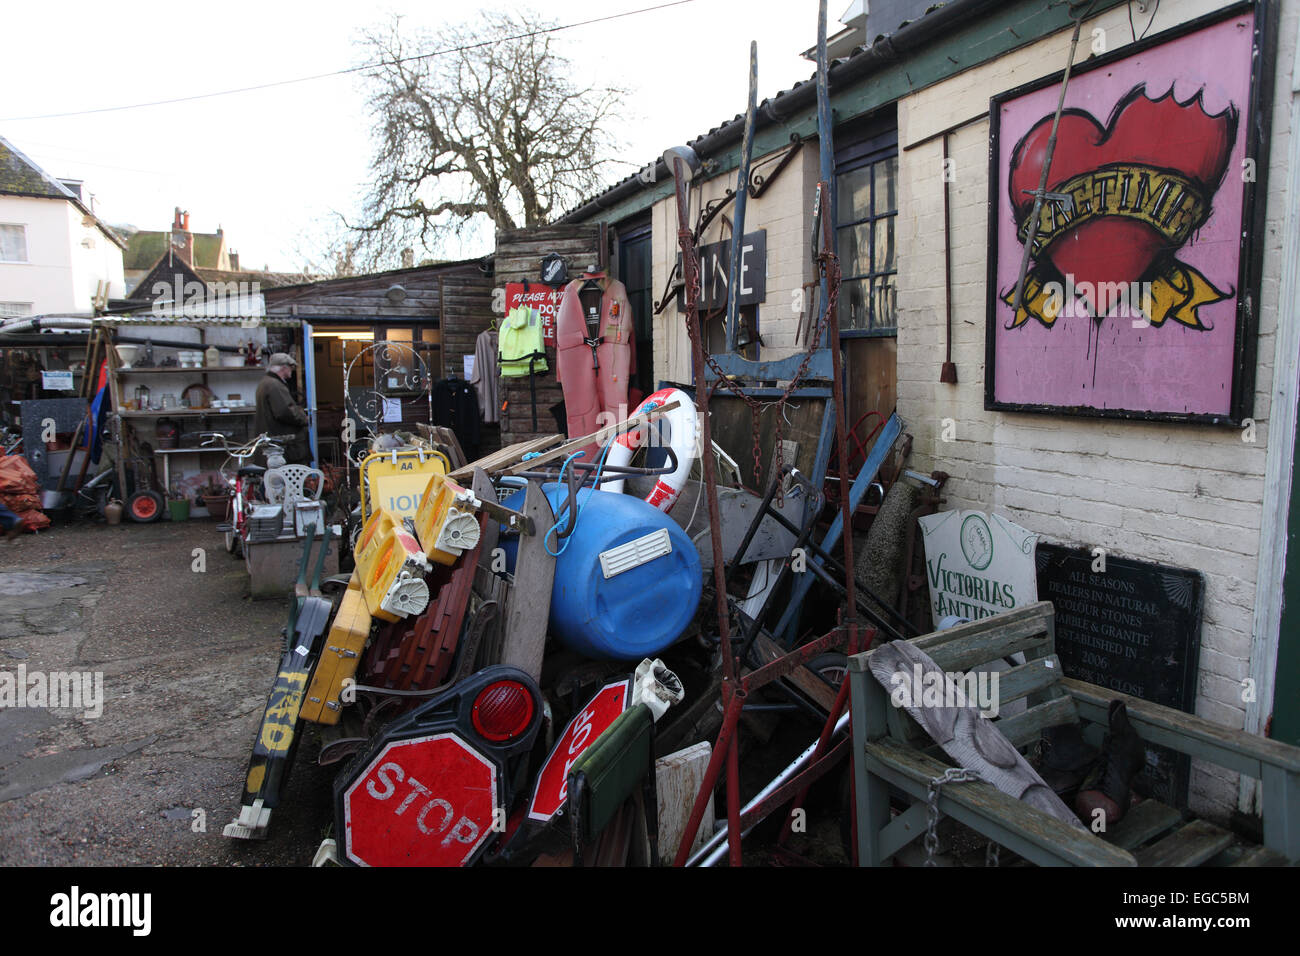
(278, 414)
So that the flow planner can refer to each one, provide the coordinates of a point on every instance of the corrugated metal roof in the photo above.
(237, 321)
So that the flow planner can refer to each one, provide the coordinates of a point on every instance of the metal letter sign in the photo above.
(589, 724)
(714, 259)
(427, 801)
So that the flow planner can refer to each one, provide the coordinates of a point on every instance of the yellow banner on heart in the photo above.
(1177, 293)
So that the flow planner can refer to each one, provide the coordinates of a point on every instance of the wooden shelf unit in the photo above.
(202, 370)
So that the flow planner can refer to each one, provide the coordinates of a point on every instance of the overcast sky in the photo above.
(271, 166)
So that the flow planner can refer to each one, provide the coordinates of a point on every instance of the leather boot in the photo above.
(1108, 784)
(1066, 759)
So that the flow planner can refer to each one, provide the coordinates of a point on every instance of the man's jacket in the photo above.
(277, 414)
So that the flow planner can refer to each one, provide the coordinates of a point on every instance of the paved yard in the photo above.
(186, 661)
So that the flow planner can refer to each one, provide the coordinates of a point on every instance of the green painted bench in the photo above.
(894, 762)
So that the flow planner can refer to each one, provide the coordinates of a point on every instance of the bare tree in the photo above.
(327, 249)
(480, 121)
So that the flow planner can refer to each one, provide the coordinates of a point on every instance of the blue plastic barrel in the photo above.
(647, 602)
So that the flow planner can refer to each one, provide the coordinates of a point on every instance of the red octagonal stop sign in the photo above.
(593, 720)
(427, 801)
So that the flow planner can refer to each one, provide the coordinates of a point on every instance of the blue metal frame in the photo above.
(784, 630)
(309, 381)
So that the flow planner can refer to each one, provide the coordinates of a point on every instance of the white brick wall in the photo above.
(1176, 494)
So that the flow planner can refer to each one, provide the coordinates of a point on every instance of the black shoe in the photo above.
(1108, 786)
(1066, 759)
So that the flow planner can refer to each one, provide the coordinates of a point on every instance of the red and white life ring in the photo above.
(680, 429)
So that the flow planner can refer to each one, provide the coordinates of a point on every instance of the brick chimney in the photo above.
(182, 240)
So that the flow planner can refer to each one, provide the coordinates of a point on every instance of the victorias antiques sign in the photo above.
(715, 261)
(977, 565)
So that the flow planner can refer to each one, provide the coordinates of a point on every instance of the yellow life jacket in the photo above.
(520, 339)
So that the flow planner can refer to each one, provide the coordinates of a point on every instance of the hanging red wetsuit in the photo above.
(594, 358)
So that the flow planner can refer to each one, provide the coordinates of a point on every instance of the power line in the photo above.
(343, 72)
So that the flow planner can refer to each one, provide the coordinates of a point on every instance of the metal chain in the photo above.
(829, 266)
(951, 775)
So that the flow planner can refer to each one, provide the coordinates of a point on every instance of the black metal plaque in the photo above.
(1134, 627)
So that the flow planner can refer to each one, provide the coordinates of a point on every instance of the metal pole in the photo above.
(948, 372)
(831, 289)
(703, 856)
(742, 195)
(826, 152)
(731, 696)
(1041, 191)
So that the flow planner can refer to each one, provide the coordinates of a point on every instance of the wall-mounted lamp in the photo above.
(690, 161)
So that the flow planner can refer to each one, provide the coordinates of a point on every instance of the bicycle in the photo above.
(244, 483)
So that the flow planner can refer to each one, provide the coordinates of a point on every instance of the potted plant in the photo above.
(216, 498)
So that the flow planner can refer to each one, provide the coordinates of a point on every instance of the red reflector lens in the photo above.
(503, 710)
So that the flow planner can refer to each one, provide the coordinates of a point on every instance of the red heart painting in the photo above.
(1160, 135)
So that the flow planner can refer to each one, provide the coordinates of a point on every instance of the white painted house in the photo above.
(55, 253)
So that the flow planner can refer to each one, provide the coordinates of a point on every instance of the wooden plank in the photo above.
(1148, 819)
(483, 490)
(1007, 821)
(501, 458)
(1028, 678)
(1249, 856)
(597, 437)
(1039, 611)
(903, 829)
(529, 603)
(1023, 729)
(1190, 846)
(1280, 793)
(972, 650)
(868, 704)
(822, 693)
(678, 778)
(903, 728)
(1186, 733)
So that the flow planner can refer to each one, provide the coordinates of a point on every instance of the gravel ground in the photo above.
(187, 661)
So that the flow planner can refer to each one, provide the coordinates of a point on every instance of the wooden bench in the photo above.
(895, 760)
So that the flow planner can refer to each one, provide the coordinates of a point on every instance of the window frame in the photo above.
(7, 312)
(871, 145)
(27, 253)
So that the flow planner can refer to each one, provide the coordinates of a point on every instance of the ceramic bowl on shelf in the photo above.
(126, 354)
